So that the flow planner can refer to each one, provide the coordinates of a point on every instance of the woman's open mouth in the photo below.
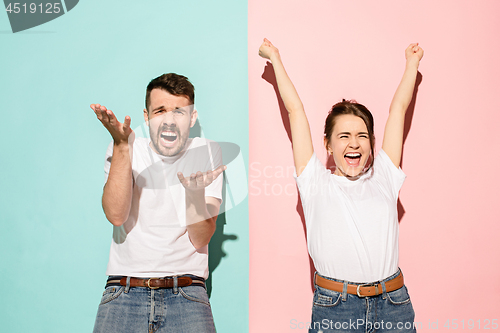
(352, 159)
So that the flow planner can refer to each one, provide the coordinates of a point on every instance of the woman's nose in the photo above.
(353, 143)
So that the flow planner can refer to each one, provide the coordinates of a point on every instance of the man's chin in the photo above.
(169, 151)
(165, 151)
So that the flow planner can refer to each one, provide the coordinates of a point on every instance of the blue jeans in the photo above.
(178, 309)
(342, 312)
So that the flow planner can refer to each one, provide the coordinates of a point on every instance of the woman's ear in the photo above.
(373, 146)
(327, 145)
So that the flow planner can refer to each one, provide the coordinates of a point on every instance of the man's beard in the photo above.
(181, 140)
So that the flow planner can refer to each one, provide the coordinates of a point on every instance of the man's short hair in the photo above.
(175, 84)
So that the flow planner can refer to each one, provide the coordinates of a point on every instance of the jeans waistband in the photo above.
(359, 283)
(117, 280)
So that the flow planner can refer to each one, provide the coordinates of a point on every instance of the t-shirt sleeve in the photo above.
(393, 177)
(107, 161)
(214, 161)
(314, 175)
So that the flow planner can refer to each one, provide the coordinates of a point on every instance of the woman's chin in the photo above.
(354, 171)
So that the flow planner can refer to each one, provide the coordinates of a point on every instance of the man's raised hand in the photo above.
(200, 180)
(119, 131)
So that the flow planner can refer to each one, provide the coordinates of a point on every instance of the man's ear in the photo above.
(146, 117)
(194, 116)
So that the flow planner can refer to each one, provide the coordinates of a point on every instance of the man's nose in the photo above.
(168, 118)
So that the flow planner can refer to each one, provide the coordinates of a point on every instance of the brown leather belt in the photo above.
(157, 283)
(362, 290)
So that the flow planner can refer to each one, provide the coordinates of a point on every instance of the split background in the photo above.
(55, 238)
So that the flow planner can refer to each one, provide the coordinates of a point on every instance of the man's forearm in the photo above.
(200, 221)
(117, 193)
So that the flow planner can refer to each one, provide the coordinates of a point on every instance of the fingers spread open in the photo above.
(112, 117)
(126, 123)
(200, 179)
(209, 177)
(104, 116)
(97, 113)
(219, 170)
(181, 178)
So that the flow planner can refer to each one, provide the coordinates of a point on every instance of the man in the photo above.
(162, 195)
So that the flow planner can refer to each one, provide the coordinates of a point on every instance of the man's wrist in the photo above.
(120, 145)
(195, 195)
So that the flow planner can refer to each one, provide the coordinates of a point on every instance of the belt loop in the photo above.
(175, 284)
(127, 287)
(344, 291)
(314, 279)
(384, 291)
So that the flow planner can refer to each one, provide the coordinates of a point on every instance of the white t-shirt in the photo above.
(154, 241)
(352, 226)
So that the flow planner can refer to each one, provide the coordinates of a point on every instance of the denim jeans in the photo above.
(178, 309)
(342, 312)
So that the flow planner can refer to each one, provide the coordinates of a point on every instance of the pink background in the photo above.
(332, 49)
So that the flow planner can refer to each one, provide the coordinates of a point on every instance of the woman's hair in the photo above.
(356, 109)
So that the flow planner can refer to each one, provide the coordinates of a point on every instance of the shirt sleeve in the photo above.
(215, 161)
(107, 161)
(314, 176)
(392, 177)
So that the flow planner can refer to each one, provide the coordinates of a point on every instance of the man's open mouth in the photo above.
(168, 137)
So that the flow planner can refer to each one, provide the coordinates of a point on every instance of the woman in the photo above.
(351, 215)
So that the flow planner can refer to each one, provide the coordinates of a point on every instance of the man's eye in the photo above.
(160, 111)
(178, 111)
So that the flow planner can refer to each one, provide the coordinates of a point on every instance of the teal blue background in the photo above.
(55, 239)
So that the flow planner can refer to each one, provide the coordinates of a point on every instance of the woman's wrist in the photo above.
(412, 63)
(275, 56)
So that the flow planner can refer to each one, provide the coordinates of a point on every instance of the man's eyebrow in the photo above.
(163, 107)
(158, 108)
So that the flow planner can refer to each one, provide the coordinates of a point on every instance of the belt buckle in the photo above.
(149, 286)
(362, 285)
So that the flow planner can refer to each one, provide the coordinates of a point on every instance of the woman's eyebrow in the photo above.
(349, 133)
